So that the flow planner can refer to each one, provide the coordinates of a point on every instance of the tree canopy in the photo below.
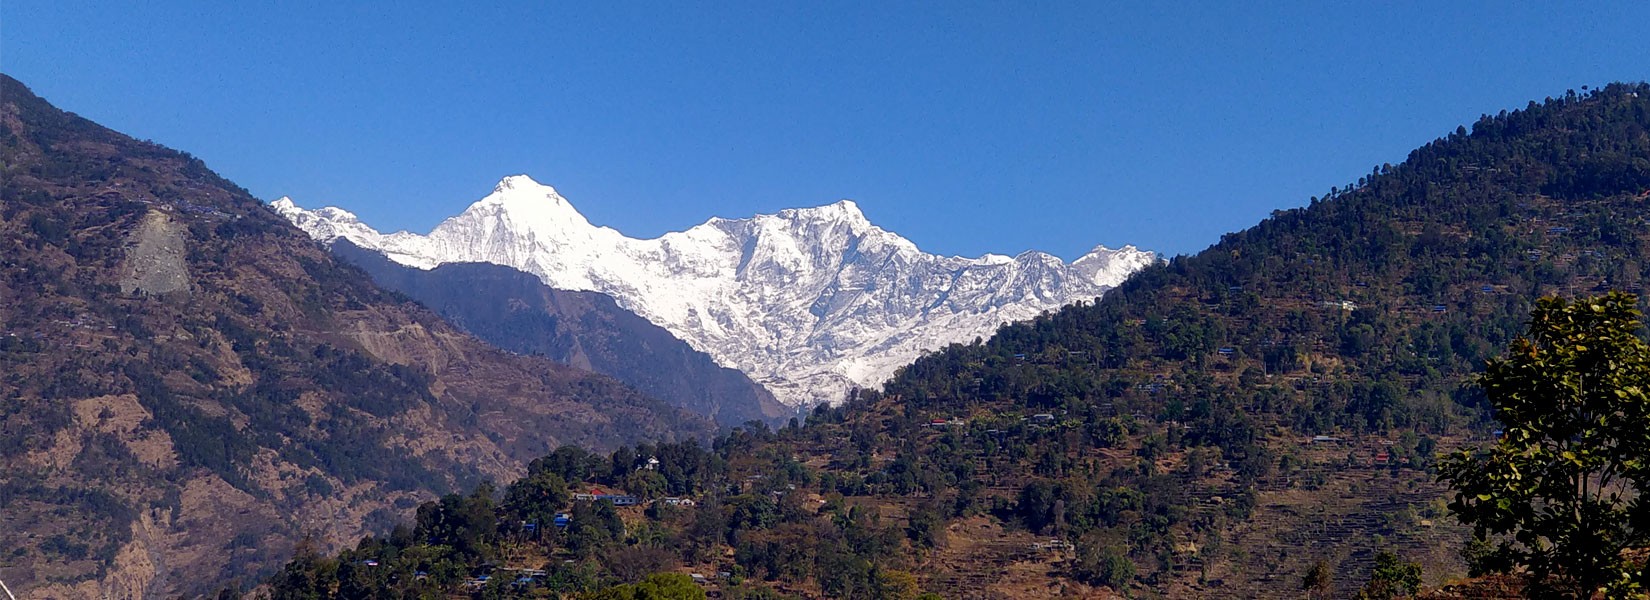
(1560, 491)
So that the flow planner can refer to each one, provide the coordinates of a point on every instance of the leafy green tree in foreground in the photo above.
(1392, 577)
(658, 586)
(1560, 492)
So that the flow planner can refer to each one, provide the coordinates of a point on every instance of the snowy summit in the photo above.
(809, 302)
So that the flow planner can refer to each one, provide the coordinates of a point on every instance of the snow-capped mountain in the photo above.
(810, 302)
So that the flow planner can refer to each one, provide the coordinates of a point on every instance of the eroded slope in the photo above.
(188, 384)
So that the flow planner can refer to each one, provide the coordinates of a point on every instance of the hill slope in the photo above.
(188, 383)
(1164, 439)
(1359, 317)
(517, 312)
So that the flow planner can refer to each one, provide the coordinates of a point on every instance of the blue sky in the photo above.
(968, 127)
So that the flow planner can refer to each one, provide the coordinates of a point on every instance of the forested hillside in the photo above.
(1358, 317)
(188, 384)
(1218, 426)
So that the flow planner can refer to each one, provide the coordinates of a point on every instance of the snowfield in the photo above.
(810, 302)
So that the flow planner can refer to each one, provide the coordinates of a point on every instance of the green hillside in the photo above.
(1158, 442)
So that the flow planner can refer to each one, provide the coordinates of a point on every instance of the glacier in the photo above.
(810, 302)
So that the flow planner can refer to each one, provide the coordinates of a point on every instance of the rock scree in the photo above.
(155, 263)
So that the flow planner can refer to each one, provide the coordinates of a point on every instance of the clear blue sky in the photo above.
(968, 127)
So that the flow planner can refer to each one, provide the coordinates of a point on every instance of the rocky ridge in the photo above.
(189, 385)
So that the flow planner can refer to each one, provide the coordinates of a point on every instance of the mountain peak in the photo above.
(1108, 267)
(285, 207)
(531, 204)
(1124, 250)
(521, 181)
(809, 301)
(1104, 250)
(841, 211)
(846, 206)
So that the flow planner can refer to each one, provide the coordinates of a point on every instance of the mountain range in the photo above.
(189, 385)
(809, 302)
(1218, 426)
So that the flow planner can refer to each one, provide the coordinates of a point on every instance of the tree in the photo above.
(1393, 577)
(594, 525)
(1101, 562)
(467, 523)
(1560, 491)
(645, 484)
(1319, 581)
(897, 585)
(658, 586)
(537, 497)
(309, 576)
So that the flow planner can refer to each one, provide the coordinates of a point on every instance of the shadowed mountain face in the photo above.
(516, 311)
(188, 384)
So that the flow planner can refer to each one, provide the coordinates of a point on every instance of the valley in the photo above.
(1217, 426)
(1429, 382)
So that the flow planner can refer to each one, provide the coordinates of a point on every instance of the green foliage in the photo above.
(537, 497)
(896, 585)
(1360, 315)
(1102, 562)
(658, 586)
(468, 524)
(645, 484)
(1391, 578)
(1156, 418)
(461, 538)
(200, 439)
(749, 591)
(309, 576)
(595, 526)
(1561, 489)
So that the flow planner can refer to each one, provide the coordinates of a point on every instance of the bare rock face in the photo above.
(155, 263)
